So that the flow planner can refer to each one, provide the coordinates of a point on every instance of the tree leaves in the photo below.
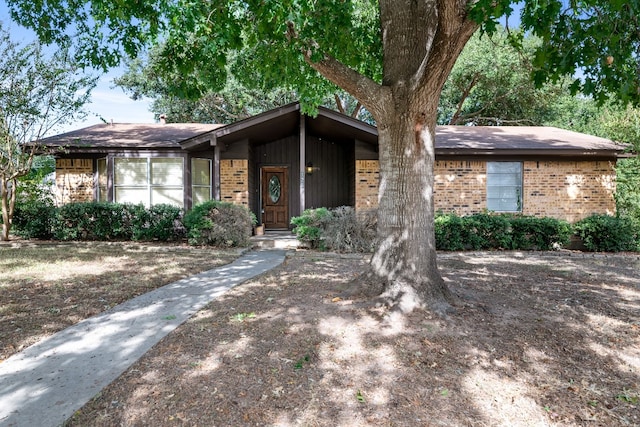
(37, 94)
(581, 38)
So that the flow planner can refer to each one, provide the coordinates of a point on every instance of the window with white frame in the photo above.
(149, 181)
(504, 186)
(200, 180)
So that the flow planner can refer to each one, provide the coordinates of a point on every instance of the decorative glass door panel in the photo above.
(275, 203)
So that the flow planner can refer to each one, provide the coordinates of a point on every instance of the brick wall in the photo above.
(74, 181)
(571, 190)
(234, 181)
(367, 180)
(460, 186)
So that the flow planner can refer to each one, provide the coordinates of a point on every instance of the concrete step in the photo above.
(275, 240)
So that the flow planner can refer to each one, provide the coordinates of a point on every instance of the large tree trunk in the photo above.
(405, 260)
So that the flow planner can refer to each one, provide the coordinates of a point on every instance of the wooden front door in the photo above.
(275, 197)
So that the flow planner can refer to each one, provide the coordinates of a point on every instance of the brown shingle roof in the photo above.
(450, 140)
(129, 136)
(490, 138)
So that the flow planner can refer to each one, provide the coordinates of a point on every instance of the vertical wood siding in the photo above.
(330, 184)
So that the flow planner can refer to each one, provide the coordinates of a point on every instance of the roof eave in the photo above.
(200, 142)
(563, 153)
(349, 121)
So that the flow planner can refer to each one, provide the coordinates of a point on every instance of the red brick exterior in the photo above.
(367, 181)
(569, 190)
(234, 181)
(74, 181)
(562, 189)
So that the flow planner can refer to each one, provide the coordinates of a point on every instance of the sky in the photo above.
(107, 101)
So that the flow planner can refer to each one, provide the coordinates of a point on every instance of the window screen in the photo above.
(200, 180)
(504, 186)
(149, 181)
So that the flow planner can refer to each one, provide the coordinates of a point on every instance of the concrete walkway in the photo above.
(47, 382)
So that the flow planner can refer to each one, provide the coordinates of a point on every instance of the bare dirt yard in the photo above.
(539, 339)
(47, 286)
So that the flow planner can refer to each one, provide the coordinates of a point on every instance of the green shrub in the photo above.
(218, 223)
(34, 219)
(34, 210)
(603, 233)
(309, 227)
(487, 231)
(344, 231)
(93, 221)
(451, 233)
(499, 231)
(160, 222)
(542, 234)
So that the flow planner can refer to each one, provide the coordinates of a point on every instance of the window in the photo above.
(149, 181)
(102, 180)
(504, 186)
(200, 180)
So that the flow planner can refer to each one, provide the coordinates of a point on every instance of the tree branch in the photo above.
(455, 28)
(498, 121)
(465, 95)
(356, 110)
(369, 93)
(339, 105)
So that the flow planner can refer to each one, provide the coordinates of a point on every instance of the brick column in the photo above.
(74, 181)
(367, 182)
(234, 181)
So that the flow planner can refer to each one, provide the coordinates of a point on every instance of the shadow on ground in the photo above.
(539, 339)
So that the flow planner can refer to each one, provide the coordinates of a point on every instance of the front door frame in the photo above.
(283, 204)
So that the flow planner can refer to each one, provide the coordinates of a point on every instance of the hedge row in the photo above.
(341, 230)
(210, 223)
(487, 231)
(224, 224)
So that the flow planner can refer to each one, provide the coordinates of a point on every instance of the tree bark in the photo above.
(405, 260)
(7, 212)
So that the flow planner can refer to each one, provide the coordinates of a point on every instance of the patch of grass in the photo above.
(241, 317)
(300, 362)
(628, 396)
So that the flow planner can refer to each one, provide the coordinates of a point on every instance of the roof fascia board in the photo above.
(201, 141)
(456, 152)
(349, 121)
(256, 120)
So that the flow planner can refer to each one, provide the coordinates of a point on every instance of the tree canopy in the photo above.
(491, 84)
(182, 98)
(598, 37)
(38, 93)
(144, 77)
